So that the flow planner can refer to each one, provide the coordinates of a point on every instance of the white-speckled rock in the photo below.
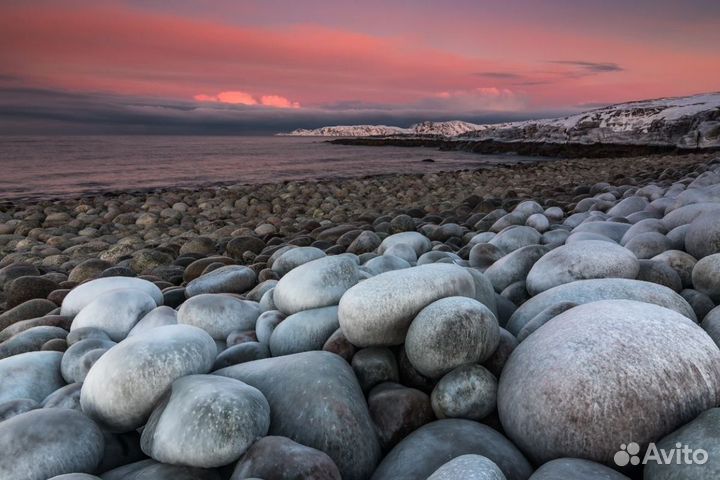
(83, 294)
(116, 392)
(158, 317)
(581, 261)
(219, 314)
(205, 421)
(468, 467)
(294, 258)
(450, 332)
(33, 375)
(304, 331)
(550, 410)
(419, 242)
(115, 312)
(315, 284)
(227, 279)
(378, 311)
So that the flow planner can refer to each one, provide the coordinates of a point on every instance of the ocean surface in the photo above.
(63, 166)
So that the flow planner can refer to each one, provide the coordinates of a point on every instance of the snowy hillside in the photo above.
(447, 129)
(688, 122)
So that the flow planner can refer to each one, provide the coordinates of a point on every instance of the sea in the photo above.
(70, 166)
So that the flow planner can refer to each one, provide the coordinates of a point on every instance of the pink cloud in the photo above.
(236, 97)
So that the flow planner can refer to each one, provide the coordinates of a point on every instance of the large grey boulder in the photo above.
(158, 317)
(205, 421)
(703, 236)
(586, 291)
(31, 375)
(86, 293)
(115, 312)
(30, 340)
(315, 284)
(227, 279)
(124, 385)
(294, 258)
(43, 443)
(316, 401)
(304, 331)
(280, 458)
(576, 469)
(514, 266)
(431, 446)
(450, 332)
(218, 314)
(469, 391)
(378, 311)
(581, 261)
(644, 362)
(703, 433)
(706, 276)
(469, 467)
(417, 241)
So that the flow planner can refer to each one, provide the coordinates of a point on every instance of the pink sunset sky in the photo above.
(312, 62)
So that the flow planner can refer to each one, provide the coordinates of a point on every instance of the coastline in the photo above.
(57, 234)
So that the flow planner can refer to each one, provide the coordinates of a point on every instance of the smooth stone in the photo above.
(304, 331)
(158, 317)
(483, 255)
(238, 337)
(266, 324)
(378, 311)
(647, 245)
(514, 266)
(676, 237)
(32, 375)
(82, 295)
(75, 476)
(431, 446)
(550, 410)
(374, 365)
(543, 317)
(585, 236)
(115, 312)
(88, 269)
(115, 393)
(294, 258)
(81, 356)
(612, 230)
(66, 397)
(30, 340)
(43, 443)
(366, 242)
(403, 251)
(205, 421)
(496, 362)
(339, 345)
(627, 206)
(260, 289)
(16, 407)
(241, 353)
(703, 236)
(538, 221)
(651, 225)
(513, 238)
(315, 284)
(661, 273)
(700, 303)
(86, 333)
(468, 467)
(706, 276)
(469, 391)
(218, 314)
(417, 241)
(227, 279)
(711, 324)
(316, 401)
(384, 263)
(683, 263)
(516, 292)
(586, 291)
(577, 469)
(451, 332)
(554, 238)
(34, 308)
(581, 261)
(46, 321)
(151, 470)
(484, 291)
(701, 433)
(23, 289)
(280, 458)
(398, 411)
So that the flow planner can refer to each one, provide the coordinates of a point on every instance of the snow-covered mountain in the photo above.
(446, 129)
(687, 122)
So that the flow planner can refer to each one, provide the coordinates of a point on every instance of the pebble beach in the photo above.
(531, 321)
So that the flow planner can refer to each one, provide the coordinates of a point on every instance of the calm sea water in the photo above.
(60, 166)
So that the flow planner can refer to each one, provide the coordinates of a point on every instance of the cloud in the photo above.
(278, 102)
(592, 67)
(237, 97)
(500, 75)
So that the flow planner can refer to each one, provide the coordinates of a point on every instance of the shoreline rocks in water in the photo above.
(512, 323)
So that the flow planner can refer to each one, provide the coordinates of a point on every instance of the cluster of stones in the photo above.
(524, 342)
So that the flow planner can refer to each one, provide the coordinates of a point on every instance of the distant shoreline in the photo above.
(538, 149)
